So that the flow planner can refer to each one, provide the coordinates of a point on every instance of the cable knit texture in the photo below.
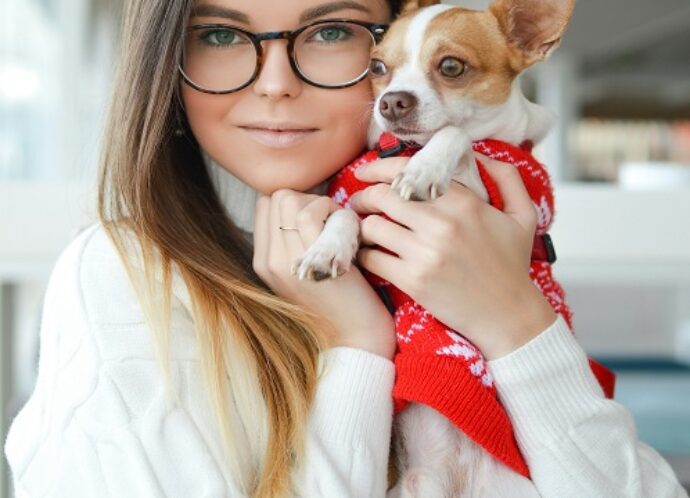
(97, 423)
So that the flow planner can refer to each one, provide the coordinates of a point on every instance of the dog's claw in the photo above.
(419, 183)
(325, 261)
(417, 189)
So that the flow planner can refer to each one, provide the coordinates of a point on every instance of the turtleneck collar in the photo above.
(239, 198)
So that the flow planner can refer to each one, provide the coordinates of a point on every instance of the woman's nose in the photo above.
(276, 79)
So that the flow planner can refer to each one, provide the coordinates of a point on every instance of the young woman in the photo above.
(272, 386)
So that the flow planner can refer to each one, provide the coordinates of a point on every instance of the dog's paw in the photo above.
(324, 260)
(420, 184)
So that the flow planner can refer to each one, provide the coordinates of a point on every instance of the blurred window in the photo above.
(29, 90)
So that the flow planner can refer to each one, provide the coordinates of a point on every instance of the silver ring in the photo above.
(288, 228)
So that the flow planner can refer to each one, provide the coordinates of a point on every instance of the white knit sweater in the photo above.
(97, 424)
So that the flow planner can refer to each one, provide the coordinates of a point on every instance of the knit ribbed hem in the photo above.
(446, 384)
(547, 387)
(353, 400)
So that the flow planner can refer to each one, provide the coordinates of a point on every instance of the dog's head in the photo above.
(440, 64)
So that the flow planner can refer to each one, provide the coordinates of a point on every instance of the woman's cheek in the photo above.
(342, 142)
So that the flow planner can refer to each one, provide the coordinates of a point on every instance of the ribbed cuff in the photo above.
(354, 396)
(547, 387)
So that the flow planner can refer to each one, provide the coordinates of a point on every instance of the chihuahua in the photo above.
(443, 77)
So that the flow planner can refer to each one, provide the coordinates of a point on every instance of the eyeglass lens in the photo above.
(221, 58)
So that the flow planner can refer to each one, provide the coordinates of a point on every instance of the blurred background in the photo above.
(619, 158)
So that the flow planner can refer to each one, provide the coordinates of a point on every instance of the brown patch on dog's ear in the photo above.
(535, 27)
(410, 5)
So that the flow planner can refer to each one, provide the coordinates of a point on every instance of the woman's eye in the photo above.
(219, 37)
(451, 67)
(331, 34)
(377, 67)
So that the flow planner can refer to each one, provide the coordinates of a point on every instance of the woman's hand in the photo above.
(463, 260)
(352, 312)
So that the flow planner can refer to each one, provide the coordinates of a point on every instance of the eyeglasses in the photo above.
(329, 53)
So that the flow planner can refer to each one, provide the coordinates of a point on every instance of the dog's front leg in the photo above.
(447, 156)
(332, 252)
(428, 173)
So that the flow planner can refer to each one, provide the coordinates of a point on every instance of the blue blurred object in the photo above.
(657, 393)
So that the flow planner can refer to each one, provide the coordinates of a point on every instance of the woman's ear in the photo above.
(410, 5)
(535, 27)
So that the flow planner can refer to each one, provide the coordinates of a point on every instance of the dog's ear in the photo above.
(535, 27)
(410, 5)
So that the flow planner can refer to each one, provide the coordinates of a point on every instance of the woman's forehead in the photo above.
(295, 12)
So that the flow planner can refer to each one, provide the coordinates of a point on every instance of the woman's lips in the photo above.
(278, 139)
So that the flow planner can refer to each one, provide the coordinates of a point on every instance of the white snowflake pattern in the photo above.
(421, 324)
(477, 368)
(340, 195)
(461, 347)
(544, 214)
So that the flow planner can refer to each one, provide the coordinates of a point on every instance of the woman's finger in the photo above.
(386, 266)
(277, 260)
(381, 170)
(261, 233)
(288, 206)
(517, 202)
(376, 230)
(380, 198)
(310, 220)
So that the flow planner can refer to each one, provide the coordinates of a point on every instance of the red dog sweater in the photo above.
(437, 366)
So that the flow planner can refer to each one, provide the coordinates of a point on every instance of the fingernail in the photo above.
(360, 170)
(353, 199)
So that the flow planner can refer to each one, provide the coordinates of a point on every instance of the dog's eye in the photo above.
(377, 67)
(451, 67)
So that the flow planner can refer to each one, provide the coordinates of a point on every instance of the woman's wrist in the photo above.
(371, 343)
(531, 315)
(382, 349)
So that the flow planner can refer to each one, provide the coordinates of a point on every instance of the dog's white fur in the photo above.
(436, 459)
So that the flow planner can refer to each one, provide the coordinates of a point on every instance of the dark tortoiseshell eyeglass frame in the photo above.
(376, 30)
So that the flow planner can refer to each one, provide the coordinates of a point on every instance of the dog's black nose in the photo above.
(397, 105)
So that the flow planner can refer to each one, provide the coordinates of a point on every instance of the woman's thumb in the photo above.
(516, 200)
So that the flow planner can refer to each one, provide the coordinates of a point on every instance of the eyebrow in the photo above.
(209, 10)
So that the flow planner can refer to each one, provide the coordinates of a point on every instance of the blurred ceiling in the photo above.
(632, 54)
(607, 27)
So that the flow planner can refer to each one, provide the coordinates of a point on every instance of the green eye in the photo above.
(451, 67)
(219, 37)
(332, 34)
(377, 67)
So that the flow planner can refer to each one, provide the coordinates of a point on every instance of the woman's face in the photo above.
(338, 117)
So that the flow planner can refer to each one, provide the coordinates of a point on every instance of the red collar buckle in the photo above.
(389, 145)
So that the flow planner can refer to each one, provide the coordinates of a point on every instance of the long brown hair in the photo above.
(155, 190)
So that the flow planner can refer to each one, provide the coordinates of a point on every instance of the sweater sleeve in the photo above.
(349, 427)
(576, 441)
(98, 422)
